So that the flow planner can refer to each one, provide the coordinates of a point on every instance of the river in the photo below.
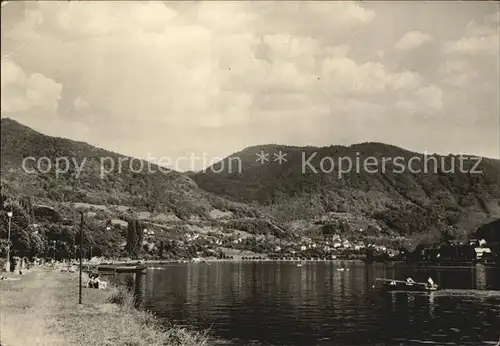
(279, 303)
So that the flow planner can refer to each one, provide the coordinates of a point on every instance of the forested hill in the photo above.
(443, 195)
(106, 178)
(389, 203)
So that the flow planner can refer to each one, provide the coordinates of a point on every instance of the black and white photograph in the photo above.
(250, 173)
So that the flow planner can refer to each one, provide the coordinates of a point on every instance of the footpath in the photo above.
(41, 308)
(27, 305)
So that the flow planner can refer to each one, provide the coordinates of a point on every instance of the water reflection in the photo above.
(316, 304)
(432, 297)
(480, 274)
(137, 284)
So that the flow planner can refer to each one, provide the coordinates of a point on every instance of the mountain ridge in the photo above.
(255, 148)
(162, 188)
(405, 202)
(389, 204)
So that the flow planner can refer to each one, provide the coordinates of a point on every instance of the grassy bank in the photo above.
(42, 309)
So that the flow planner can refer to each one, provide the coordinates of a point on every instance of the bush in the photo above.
(123, 298)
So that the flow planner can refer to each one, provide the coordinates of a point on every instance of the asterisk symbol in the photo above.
(262, 157)
(280, 157)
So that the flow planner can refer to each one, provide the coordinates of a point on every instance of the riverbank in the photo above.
(41, 308)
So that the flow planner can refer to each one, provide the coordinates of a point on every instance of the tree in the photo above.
(446, 236)
(20, 233)
(135, 235)
(161, 249)
(139, 230)
(131, 239)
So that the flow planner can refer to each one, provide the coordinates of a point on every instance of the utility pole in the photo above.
(81, 246)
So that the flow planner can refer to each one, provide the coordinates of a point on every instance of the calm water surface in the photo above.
(278, 303)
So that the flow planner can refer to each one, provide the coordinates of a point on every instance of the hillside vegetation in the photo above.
(46, 202)
(253, 208)
(442, 195)
(107, 178)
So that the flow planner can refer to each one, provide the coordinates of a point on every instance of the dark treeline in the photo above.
(451, 251)
(46, 234)
(51, 236)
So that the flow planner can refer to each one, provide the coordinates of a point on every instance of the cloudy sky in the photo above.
(153, 79)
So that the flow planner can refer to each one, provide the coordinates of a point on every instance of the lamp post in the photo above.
(7, 264)
(54, 248)
(81, 245)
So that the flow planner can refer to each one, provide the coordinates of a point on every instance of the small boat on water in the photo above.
(408, 286)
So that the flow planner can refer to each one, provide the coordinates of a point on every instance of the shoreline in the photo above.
(270, 260)
(41, 308)
(201, 261)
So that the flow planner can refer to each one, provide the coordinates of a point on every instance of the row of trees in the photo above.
(61, 240)
(31, 237)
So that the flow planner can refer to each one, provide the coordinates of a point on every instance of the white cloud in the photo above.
(344, 75)
(488, 25)
(461, 80)
(453, 66)
(431, 96)
(81, 105)
(427, 99)
(319, 19)
(481, 37)
(412, 40)
(11, 73)
(457, 73)
(227, 17)
(179, 69)
(405, 80)
(20, 92)
(195, 72)
(286, 47)
(26, 29)
(342, 14)
(42, 91)
(95, 19)
(475, 45)
(205, 68)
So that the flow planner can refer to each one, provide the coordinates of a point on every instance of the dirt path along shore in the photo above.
(27, 306)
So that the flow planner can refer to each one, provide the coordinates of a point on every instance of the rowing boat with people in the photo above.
(390, 285)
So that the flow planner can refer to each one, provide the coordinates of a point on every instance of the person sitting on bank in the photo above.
(97, 280)
(100, 284)
(93, 282)
(90, 283)
(410, 281)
